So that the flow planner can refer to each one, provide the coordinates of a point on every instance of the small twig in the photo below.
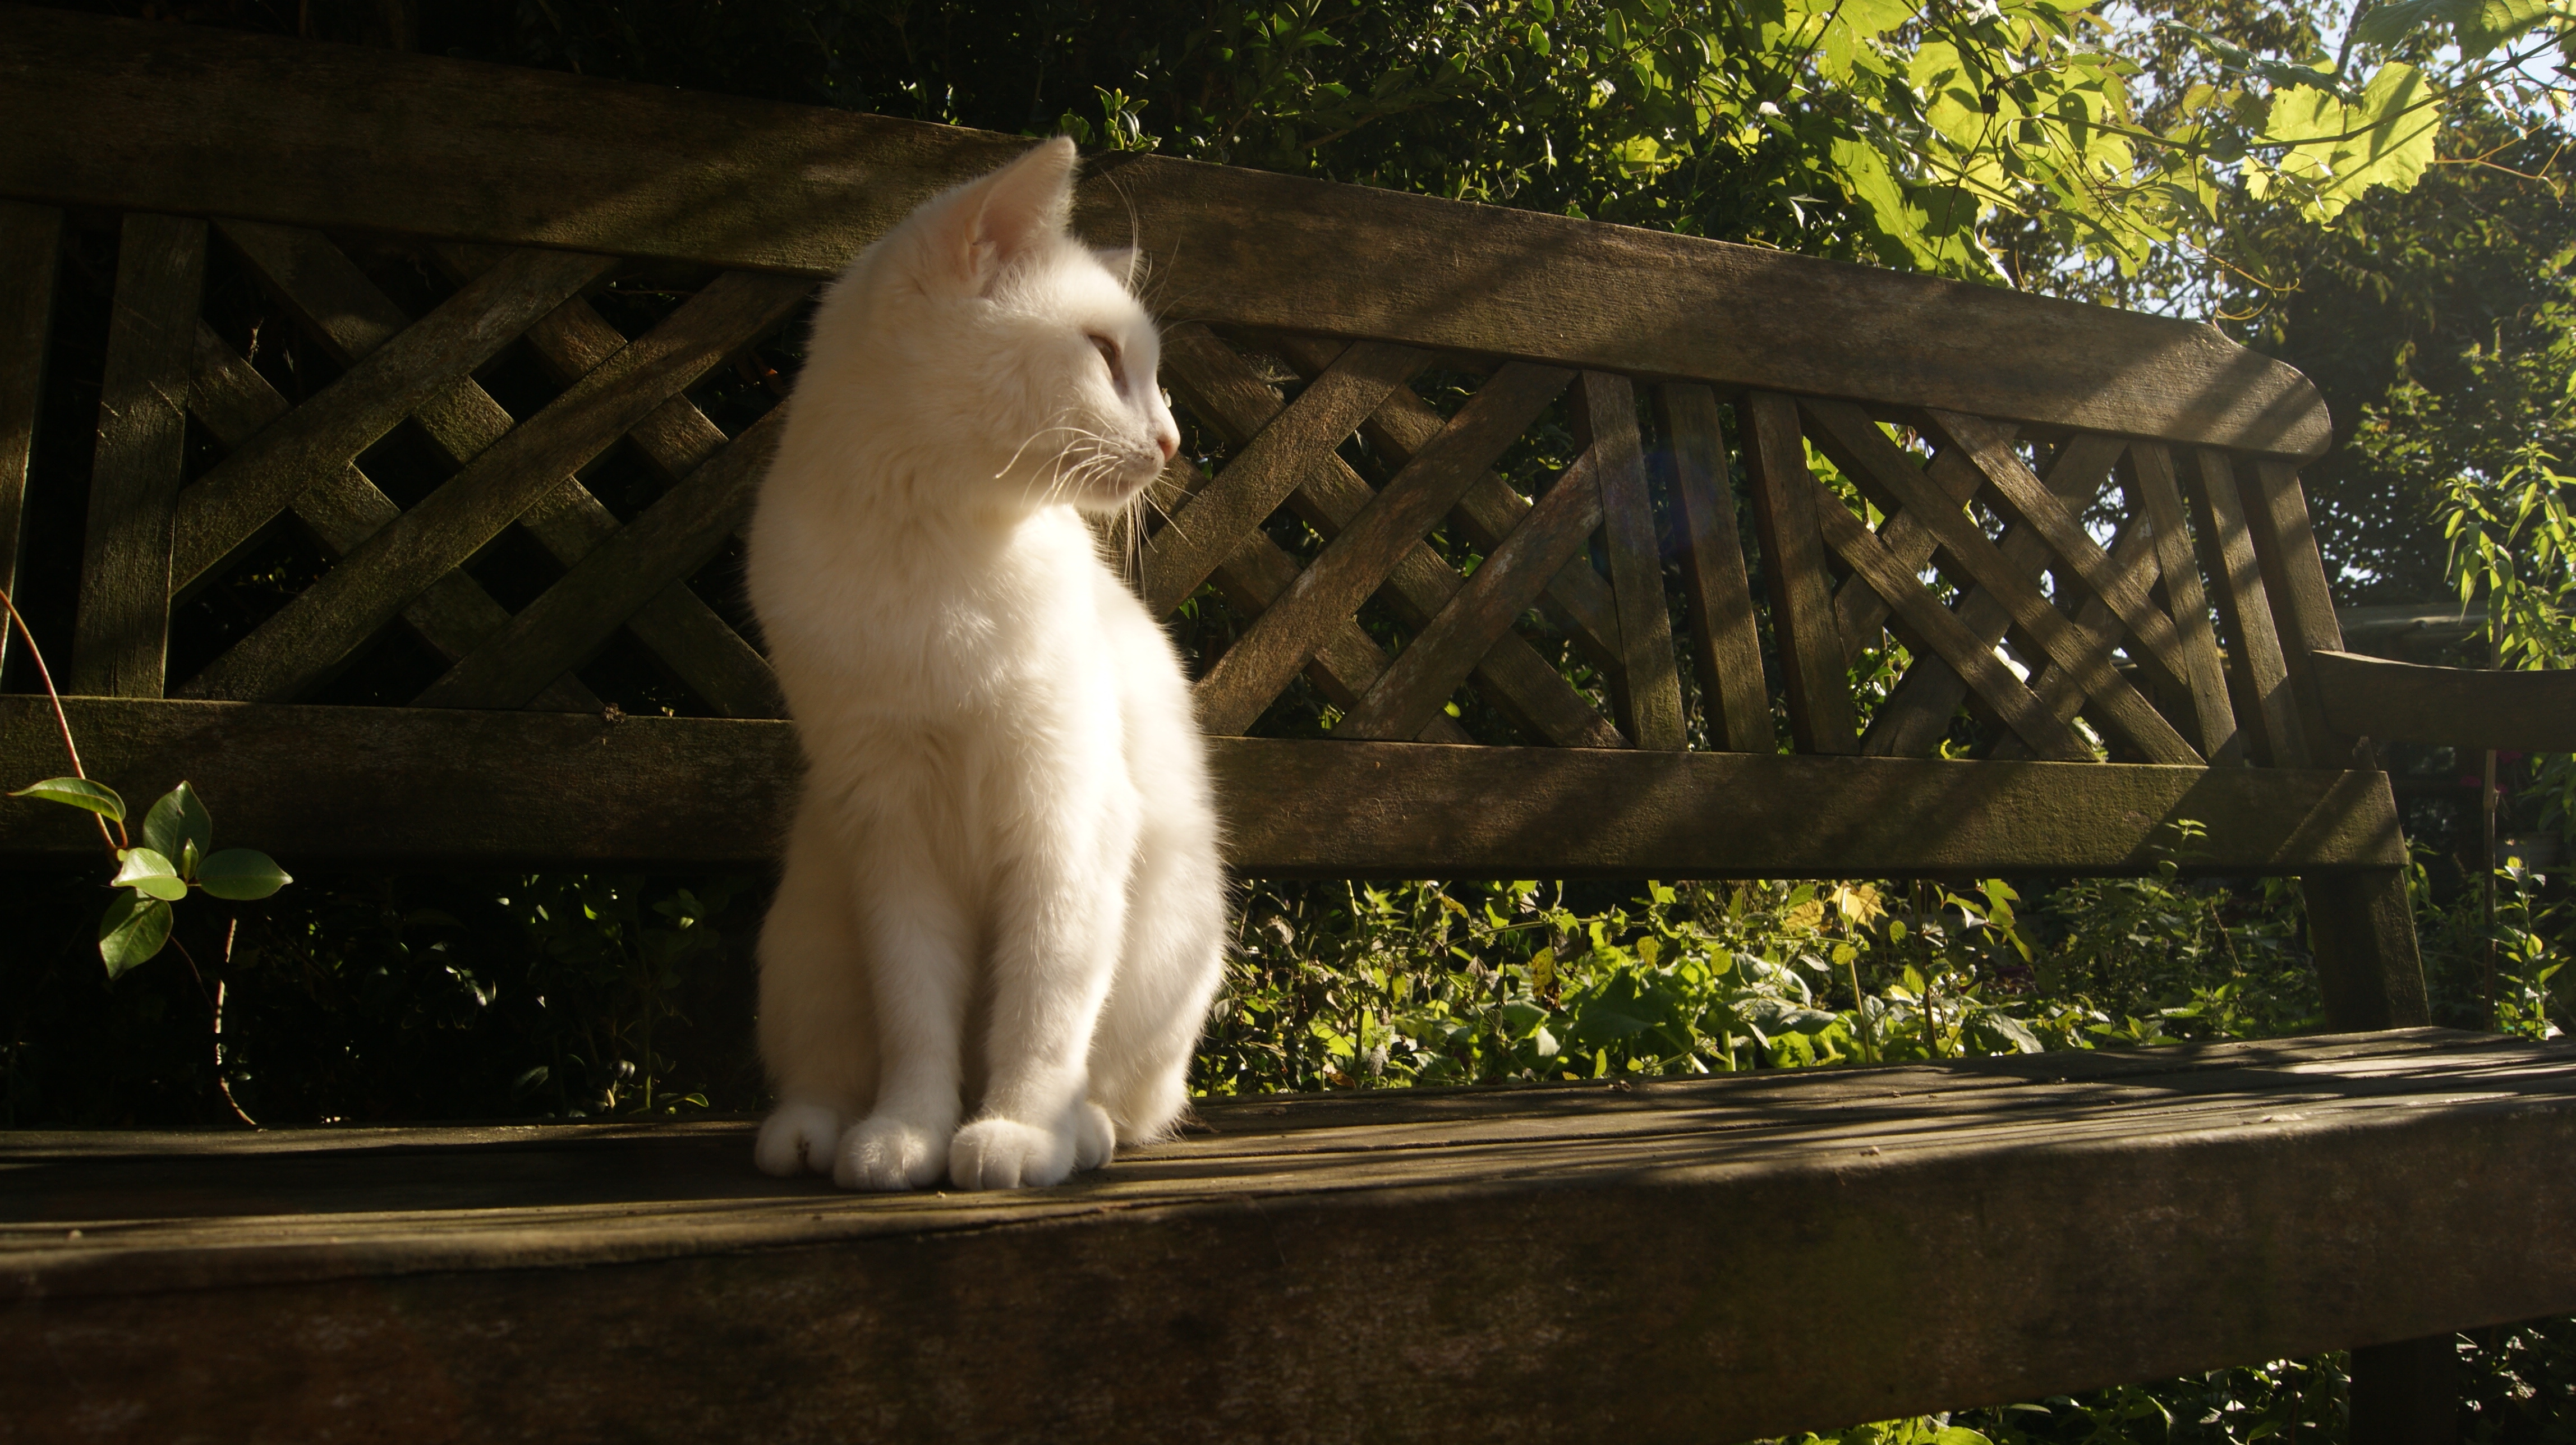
(222, 1080)
(119, 841)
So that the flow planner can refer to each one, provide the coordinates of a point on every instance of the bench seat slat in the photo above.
(1530, 1262)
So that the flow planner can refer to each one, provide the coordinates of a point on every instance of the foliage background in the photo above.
(2409, 252)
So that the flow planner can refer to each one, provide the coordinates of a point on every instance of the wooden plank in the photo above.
(1793, 571)
(1224, 391)
(1859, 612)
(1916, 717)
(1349, 660)
(308, 638)
(678, 534)
(30, 245)
(2463, 707)
(1649, 684)
(247, 489)
(2294, 578)
(2160, 499)
(121, 636)
(2362, 929)
(1268, 467)
(342, 308)
(1260, 662)
(1510, 580)
(1935, 631)
(1726, 647)
(2083, 652)
(1336, 1257)
(1402, 425)
(2245, 609)
(2027, 501)
(189, 119)
(342, 509)
(486, 788)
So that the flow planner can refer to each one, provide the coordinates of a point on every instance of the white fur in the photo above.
(1002, 890)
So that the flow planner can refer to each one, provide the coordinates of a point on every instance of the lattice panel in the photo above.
(193, 512)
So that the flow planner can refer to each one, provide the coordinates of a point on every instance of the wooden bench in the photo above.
(1554, 1261)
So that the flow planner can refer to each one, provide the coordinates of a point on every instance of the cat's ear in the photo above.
(1001, 220)
(1119, 261)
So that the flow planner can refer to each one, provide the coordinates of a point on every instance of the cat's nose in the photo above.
(1169, 440)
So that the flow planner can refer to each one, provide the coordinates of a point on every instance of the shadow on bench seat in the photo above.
(1550, 1262)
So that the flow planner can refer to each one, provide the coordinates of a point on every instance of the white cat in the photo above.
(1002, 885)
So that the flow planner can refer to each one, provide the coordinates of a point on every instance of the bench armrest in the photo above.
(2465, 707)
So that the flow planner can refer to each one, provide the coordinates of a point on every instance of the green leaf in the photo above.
(176, 821)
(133, 930)
(77, 793)
(146, 871)
(242, 874)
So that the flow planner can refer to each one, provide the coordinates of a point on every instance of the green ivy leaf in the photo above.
(77, 793)
(133, 930)
(176, 821)
(146, 871)
(242, 874)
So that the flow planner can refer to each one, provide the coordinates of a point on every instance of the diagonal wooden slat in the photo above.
(1226, 393)
(1404, 424)
(2159, 497)
(2294, 577)
(31, 239)
(1915, 717)
(121, 636)
(2057, 687)
(2245, 608)
(1354, 564)
(342, 509)
(323, 627)
(2083, 652)
(1509, 581)
(1940, 632)
(1726, 645)
(2028, 502)
(1649, 684)
(1793, 571)
(674, 537)
(343, 309)
(1298, 441)
(246, 490)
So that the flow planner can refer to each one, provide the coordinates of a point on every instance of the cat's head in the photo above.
(1021, 349)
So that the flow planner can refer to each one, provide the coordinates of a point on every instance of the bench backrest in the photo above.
(1557, 560)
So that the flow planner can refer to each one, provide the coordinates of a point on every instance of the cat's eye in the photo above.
(1108, 350)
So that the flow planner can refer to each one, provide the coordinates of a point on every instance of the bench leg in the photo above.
(2364, 937)
(2406, 1393)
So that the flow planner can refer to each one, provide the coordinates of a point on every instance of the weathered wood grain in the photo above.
(2464, 707)
(2245, 609)
(1896, 485)
(2294, 578)
(1339, 1268)
(1268, 467)
(342, 509)
(344, 310)
(1404, 424)
(30, 245)
(189, 119)
(1507, 584)
(1649, 684)
(2362, 927)
(1793, 570)
(678, 534)
(491, 788)
(425, 361)
(303, 642)
(1224, 391)
(1354, 564)
(1916, 717)
(1726, 646)
(2159, 498)
(121, 635)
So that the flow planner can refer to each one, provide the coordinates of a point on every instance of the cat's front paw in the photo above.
(1094, 1137)
(888, 1154)
(796, 1137)
(1006, 1154)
